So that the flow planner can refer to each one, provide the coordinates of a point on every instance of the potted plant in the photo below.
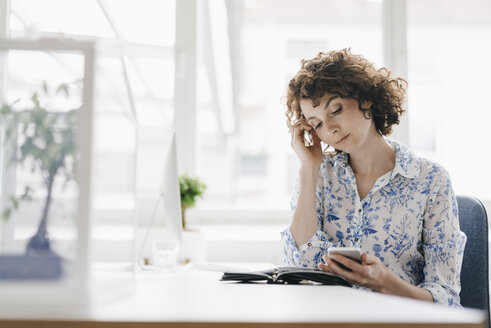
(191, 188)
(44, 140)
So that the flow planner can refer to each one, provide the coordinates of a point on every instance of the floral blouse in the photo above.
(409, 220)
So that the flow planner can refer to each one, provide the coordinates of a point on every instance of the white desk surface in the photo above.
(195, 298)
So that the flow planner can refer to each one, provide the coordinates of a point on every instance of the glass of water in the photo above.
(164, 254)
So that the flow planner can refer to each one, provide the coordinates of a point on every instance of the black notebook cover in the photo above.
(286, 275)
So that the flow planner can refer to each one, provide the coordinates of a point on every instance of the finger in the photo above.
(298, 135)
(369, 259)
(300, 120)
(295, 132)
(303, 125)
(347, 262)
(334, 267)
(300, 128)
(324, 267)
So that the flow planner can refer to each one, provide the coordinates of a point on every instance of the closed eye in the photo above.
(337, 111)
(318, 125)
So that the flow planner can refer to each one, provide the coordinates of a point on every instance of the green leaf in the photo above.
(63, 88)
(27, 193)
(45, 87)
(6, 214)
(14, 201)
(191, 188)
(35, 100)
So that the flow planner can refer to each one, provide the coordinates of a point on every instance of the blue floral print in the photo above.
(409, 220)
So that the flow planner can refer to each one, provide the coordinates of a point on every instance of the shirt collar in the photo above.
(341, 159)
(406, 163)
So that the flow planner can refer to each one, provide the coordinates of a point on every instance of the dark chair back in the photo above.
(474, 276)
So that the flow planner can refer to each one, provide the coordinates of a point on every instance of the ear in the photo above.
(366, 104)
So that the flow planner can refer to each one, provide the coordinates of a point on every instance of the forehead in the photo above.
(307, 105)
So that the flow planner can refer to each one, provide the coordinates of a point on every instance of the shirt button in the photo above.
(356, 239)
(309, 244)
(359, 211)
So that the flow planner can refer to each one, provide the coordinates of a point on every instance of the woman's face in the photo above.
(339, 122)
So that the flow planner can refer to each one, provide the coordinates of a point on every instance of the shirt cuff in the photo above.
(441, 295)
(307, 255)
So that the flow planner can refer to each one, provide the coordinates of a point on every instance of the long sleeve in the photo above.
(309, 254)
(443, 243)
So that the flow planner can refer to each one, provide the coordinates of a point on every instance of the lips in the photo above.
(340, 141)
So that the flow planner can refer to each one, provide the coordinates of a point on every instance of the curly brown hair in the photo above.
(349, 76)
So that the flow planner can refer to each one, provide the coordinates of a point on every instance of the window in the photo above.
(39, 151)
(449, 83)
(134, 93)
(247, 52)
(244, 144)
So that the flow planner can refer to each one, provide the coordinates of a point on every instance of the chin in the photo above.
(346, 147)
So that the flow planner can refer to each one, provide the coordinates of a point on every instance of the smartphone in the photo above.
(353, 253)
(307, 138)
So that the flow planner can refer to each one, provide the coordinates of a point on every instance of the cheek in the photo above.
(367, 125)
(325, 136)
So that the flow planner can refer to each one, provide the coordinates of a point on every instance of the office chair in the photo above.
(474, 276)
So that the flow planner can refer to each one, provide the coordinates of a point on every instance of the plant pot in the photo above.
(27, 267)
(193, 247)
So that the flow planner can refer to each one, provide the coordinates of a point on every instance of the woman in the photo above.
(371, 191)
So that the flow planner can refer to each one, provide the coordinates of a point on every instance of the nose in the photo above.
(333, 129)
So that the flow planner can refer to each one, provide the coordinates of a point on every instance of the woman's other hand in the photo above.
(311, 156)
(372, 273)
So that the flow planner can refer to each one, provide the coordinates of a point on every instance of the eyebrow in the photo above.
(325, 106)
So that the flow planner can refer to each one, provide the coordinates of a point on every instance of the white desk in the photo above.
(193, 298)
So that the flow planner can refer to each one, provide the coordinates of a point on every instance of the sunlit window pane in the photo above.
(77, 17)
(266, 43)
(144, 21)
(28, 70)
(157, 75)
(448, 52)
(40, 130)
